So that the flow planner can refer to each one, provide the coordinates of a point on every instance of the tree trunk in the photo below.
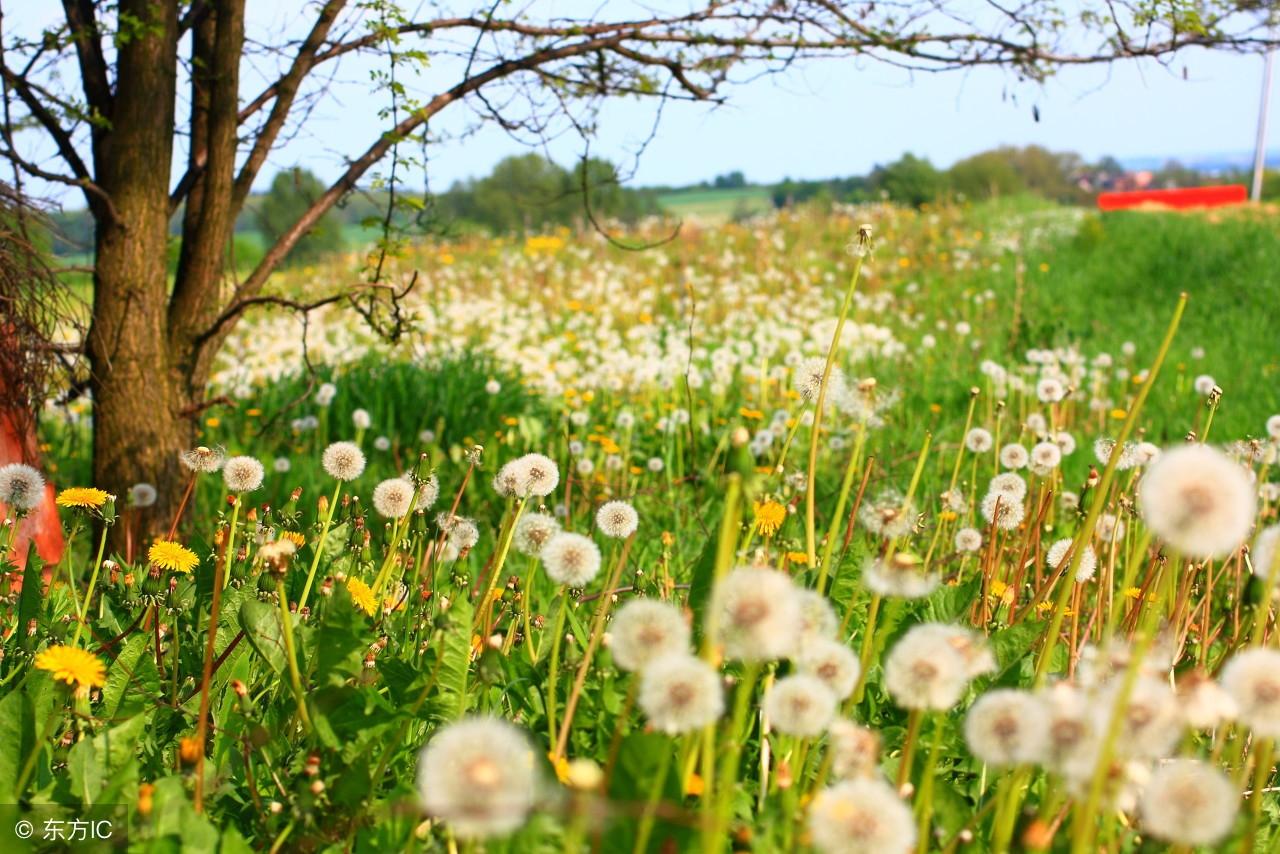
(139, 399)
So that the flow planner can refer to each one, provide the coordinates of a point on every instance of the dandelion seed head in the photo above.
(243, 474)
(142, 495)
(860, 817)
(617, 519)
(343, 461)
(533, 531)
(1003, 511)
(1057, 555)
(680, 693)
(203, 460)
(571, 559)
(833, 663)
(1252, 679)
(1006, 727)
(978, 440)
(757, 614)
(479, 776)
(855, 750)
(645, 630)
(818, 619)
(393, 497)
(361, 419)
(800, 705)
(924, 670)
(1189, 802)
(968, 540)
(1014, 456)
(1046, 455)
(1197, 500)
(808, 379)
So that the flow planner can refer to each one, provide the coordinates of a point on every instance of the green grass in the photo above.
(717, 205)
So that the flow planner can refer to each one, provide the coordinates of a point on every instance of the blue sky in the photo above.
(827, 118)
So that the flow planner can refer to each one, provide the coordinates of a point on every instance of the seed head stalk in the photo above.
(319, 546)
(1104, 487)
(864, 238)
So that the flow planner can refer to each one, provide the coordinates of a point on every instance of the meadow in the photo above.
(849, 530)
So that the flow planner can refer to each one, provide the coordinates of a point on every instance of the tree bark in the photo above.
(139, 425)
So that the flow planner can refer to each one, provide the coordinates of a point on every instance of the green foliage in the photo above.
(910, 180)
(292, 192)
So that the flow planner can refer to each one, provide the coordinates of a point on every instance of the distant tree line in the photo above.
(1006, 171)
(529, 193)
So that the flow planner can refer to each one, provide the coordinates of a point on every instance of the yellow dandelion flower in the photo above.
(1119, 414)
(769, 516)
(294, 537)
(561, 765)
(74, 666)
(83, 496)
(174, 557)
(797, 557)
(751, 414)
(362, 596)
(693, 785)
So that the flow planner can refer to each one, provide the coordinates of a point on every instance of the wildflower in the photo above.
(833, 663)
(1252, 679)
(1188, 802)
(1006, 727)
(1204, 385)
(925, 671)
(1009, 484)
(281, 465)
(860, 817)
(361, 420)
(818, 619)
(968, 540)
(903, 576)
(142, 495)
(617, 519)
(1151, 721)
(645, 630)
(1057, 554)
(1003, 512)
(1273, 427)
(428, 492)
(571, 559)
(1109, 528)
(243, 474)
(1198, 500)
(173, 557)
(680, 693)
(889, 515)
(1069, 726)
(325, 394)
(85, 497)
(479, 776)
(462, 533)
(1204, 703)
(21, 486)
(343, 461)
(1263, 556)
(800, 705)
(1050, 390)
(393, 497)
(76, 667)
(1046, 455)
(382, 443)
(362, 595)
(769, 516)
(511, 480)
(533, 531)
(756, 614)
(203, 460)
(541, 473)
(855, 750)
(1014, 456)
(978, 440)
(808, 379)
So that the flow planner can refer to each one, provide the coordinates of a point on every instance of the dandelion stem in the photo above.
(319, 546)
(553, 666)
(291, 658)
(651, 803)
(815, 431)
(93, 581)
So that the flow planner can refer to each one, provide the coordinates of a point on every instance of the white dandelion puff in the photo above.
(1006, 727)
(645, 630)
(533, 531)
(1058, 554)
(1199, 501)
(617, 519)
(1252, 679)
(680, 693)
(343, 461)
(1189, 802)
(757, 615)
(393, 497)
(478, 775)
(571, 559)
(861, 817)
(833, 663)
(800, 705)
(243, 474)
(21, 486)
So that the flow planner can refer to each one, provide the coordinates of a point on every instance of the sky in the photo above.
(832, 117)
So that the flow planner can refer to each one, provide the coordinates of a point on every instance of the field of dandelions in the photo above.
(866, 530)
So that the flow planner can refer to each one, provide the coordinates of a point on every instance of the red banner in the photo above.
(1181, 198)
